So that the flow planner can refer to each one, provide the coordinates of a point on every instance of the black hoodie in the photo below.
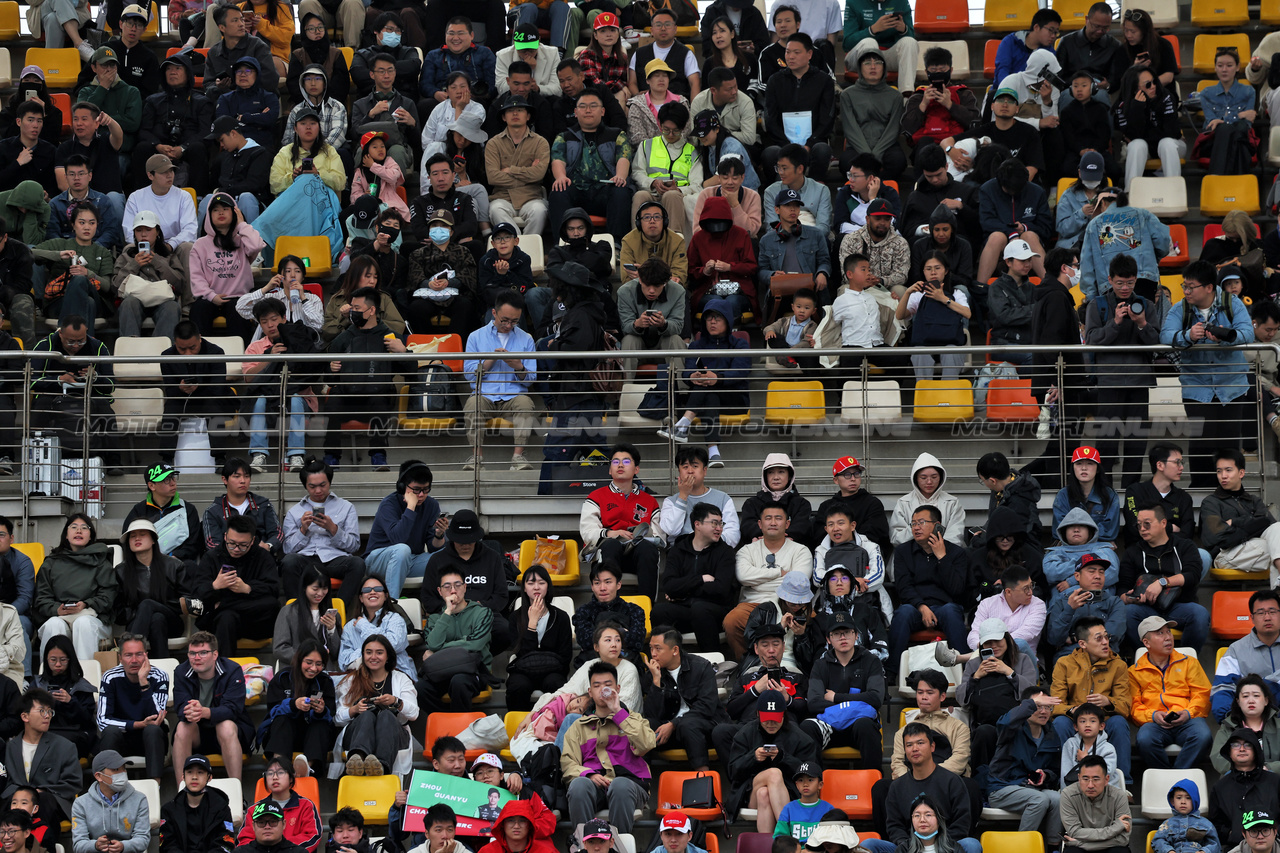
(484, 575)
(1022, 495)
(374, 378)
(1176, 556)
(319, 52)
(176, 115)
(1238, 791)
(1004, 522)
(959, 251)
(1053, 321)
(596, 257)
(868, 515)
(682, 578)
(137, 66)
(919, 206)
(205, 829)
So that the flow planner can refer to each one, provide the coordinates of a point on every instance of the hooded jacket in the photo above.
(1246, 513)
(176, 115)
(1077, 675)
(1103, 748)
(301, 821)
(25, 212)
(596, 257)
(1172, 835)
(1018, 755)
(1106, 520)
(1268, 739)
(333, 115)
(999, 211)
(862, 679)
(922, 578)
(217, 271)
(1176, 556)
(1010, 307)
(1239, 791)
(986, 576)
(1121, 230)
(322, 52)
(959, 251)
(798, 508)
(695, 689)
(257, 107)
(937, 122)
(795, 747)
(220, 60)
(485, 576)
(1180, 686)
(732, 246)
(93, 817)
(86, 575)
(732, 370)
(1053, 321)
(205, 829)
(685, 566)
(1106, 605)
(1062, 560)
(542, 823)
(374, 378)
(871, 114)
(949, 505)
(1022, 495)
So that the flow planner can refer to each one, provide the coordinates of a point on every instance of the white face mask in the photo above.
(1093, 185)
(1073, 275)
(118, 781)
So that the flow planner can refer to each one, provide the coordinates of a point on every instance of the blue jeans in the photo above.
(1117, 729)
(539, 302)
(296, 439)
(394, 564)
(876, 845)
(1192, 619)
(907, 619)
(555, 18)
(1193, 736)
(247, 202)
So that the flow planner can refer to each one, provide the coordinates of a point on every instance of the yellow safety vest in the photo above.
(661, 167)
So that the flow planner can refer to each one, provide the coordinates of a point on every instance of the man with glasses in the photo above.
(1259, 833)
(1088, 599)
(1095, 674)
(696, 588)
(933, 581)
(868, 512)
(459, 52)
(44, 761)
(500, 386)
(1175, 565)
(388, 109)
(686, 79)
(1215, 381)
(664, 168)
(78, 174)
(1166, 472)
(406, 529)
(1257, 653)
(592, 167)
(620, 519)
(132, 706)
(58, 387)
(15, 828)
(573, 82)
(208, 697)
(1017, 606)
(1092, 49)
(239, 586)
(388, 33)
(654, 238)
(268, 831)
(480, 566)
(112, 816)
(1016, 48)
(237, 478)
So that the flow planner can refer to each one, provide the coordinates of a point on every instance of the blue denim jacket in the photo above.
(1210, 369)
(1226, 105)
(811, 249)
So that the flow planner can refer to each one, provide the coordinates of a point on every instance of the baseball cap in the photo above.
(505, 228)
(108, 759)
(596, 828)
(1092, 167)
(525, 38)
(807, 768)
(133, 10)
(606, 19)
(771, 706)
(267, 810)
(991, 629)
(705, 122)
(879, 207)
(304, 114)
(222, 125)
(441, 215)
(1019, 250)
(844, 463)
(514, 102)
(161, 471)
(486, 758)
(365, 139)
(772, 629)
(794, 588)
(1154, 623)
(838, 621)
(105, 54)
(1256, 818)
(148, 219)
(677, 821)
(1006, 92)
(159, 163)
(788, 196)
(1090, 559)
(197, 761)
(30, 70)
(1085, 453)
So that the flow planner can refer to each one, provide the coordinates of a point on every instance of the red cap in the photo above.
(844, 463)
(1087, 453)
(678, 821)
(605, 19)
(1090, 559)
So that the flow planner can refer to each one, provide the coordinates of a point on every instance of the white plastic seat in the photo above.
(1165, 197)
(150, 789)
(92, 673)
(953, 674)
(531, 245)
(413, 609)
(628, 416)
(883, 402)
(168, 666)
(1166, 403)
(1273, 146)
(6, 69)
(231, 345)
(1155, 790)
(142, 371)
(138, 410)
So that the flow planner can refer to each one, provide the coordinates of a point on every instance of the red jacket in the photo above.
(532, 810)
(301, 823)
(732, 246)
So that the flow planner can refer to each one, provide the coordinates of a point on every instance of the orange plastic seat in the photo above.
(850, 791)
(670, 784)
(307, 786)
(447, 344)
(439, 725)
(1011, 401)
(62, 101)
(1178, 253)
(1229, 615)
(941, 16)
(989, 58)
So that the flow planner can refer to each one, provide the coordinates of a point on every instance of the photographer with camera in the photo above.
(1215, 381)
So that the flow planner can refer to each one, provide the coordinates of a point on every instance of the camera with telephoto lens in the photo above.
(1226, 334)
(1058, 82)
(173, 130)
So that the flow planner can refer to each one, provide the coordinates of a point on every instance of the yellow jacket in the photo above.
(327, 163)
(1075, 677)
(1182, 686)
(279, 36)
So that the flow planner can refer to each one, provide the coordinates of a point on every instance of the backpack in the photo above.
(936, 325)
(433, 393)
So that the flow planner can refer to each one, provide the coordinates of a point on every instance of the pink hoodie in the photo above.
(389, 177)
(214, 271)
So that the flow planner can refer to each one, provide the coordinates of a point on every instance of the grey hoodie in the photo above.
(126, 819)
(1061, 560)
(952, 510)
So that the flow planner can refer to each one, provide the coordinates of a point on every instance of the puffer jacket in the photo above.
(1180, 686)
(948, 504)
(1268, 739)
(1076, 675)
(1240, 791)
(1061, 561)
(86, 575)
(799, 509)
(176, 115)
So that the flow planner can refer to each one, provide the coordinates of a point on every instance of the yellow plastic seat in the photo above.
(1063, 185)
(1014, 842)
(1174, 284)
(1165, 197)
(1164, 13)
(572, 570)
(1235, 575)
(1207, 44)
(10, 27)
(943, 401)
(643, 602)
(1007, 16)
(372, 796)
(1222, 652)
(194, 200)
(1078, 296)
(314, 251)
(349, 53)
(792, 403)
(1221, 194)
(1073, 13)
(1220, 13)
(33, 550)
(512, 721)
(1268, 13)
(61, 65)
(421, 423)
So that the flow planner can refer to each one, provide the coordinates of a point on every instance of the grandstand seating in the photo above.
(941, 16)
(1006, 16)
(372, 796)
(1219, 13)
(850, 791)
(669, 791)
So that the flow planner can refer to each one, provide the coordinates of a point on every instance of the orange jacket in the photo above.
(1182, 686)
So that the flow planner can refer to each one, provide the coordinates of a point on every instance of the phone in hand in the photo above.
(144, 246)
(318, 512)
(770, 748)
(308, 164)
(987, 654)
(630, 267)
(228, 569)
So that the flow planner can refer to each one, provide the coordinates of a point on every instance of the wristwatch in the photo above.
(1163, 581)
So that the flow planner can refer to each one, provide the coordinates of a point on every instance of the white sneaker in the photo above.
(714, 461)
(519, 462)
(473, 463)
(86, 51)
(301, 768)
(295, 463)
(6, 465)
(258, 463)
(944, 654)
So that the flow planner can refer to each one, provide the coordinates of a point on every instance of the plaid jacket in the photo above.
(608, 71)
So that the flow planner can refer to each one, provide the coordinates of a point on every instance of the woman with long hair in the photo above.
(76, 587)
(309, 154)
(376, 612)
(544, 640)
(1239, 243)
(375, 705)
(1006, 546)
(152, 587)
(604, 60)
(464, 146)
(1146, 114)
(271, 21)
(1089, 487)
(287, 286)
(300, 710)
(994, 681)
(158, 263)
(316, 49)
(726, 54)
(938, 312)
(311, 616)
(31, 87)
(75, 703)
(1144, 47)
(220, 265)
(607, 642)
(1252, 707)
(366, 271)
(928, 831)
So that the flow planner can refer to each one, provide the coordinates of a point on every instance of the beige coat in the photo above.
(528, 163)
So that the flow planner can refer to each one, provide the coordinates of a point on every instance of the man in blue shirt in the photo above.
(1214, 379)
(501, 388)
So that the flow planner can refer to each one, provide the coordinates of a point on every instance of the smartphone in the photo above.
(228, 569)
(769, 747)
(332, 612)
(1144, 56)
(144, 246)
(986, 654)
(31, 96)
(318, 511)
(631, 267)
(307, 164)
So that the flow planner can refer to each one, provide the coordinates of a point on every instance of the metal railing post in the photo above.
(86, 431)
(283, 417)
(864, 374)
(26, 437)
(479, 426)
(1060, 367)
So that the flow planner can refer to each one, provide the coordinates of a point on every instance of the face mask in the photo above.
(439, 235)
(118, 781)
(926, 837)
(1074, 277)
(390, 39)
(1093, 185)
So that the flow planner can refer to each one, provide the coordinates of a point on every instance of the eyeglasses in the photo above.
(1187, 286)
(1260, 833)
(316, 29)
(921, 522)
(47, 713)
(1270, 611)
(662, 24)
(271, 774)
(1146, 525)
(203, 653)
(9, 833)
(74, 344)
(371, 589)
(452, 585)
(78, 528)
(420, 490)
(232, 545)
(651, 217)
(711, 523)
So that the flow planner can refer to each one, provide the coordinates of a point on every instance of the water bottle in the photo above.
(294, 297)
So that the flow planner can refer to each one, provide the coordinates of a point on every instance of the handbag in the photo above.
(698, 793)
(487, 733)
(783, 286)
(447, 663)
(149, 293)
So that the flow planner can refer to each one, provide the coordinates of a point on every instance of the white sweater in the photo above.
(175, 210)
